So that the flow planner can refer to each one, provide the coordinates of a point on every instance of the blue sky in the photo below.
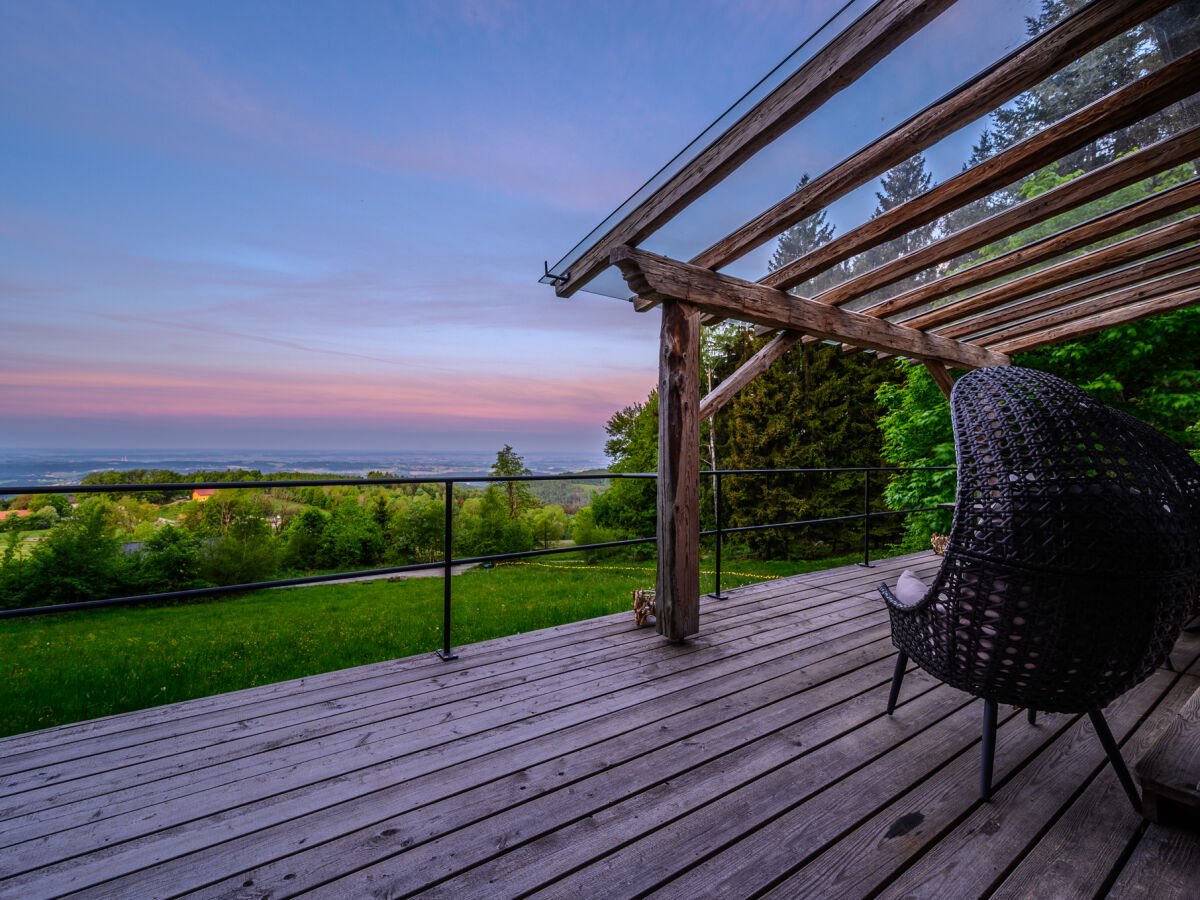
(315, 225)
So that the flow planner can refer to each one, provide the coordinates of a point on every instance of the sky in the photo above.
(320, 225)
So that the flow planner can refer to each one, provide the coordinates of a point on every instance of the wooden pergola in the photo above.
(977, 316)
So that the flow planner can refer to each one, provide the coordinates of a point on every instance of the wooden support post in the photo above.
(941, 375)
(678, 584)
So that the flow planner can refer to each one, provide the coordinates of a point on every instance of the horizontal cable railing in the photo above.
(449, 562)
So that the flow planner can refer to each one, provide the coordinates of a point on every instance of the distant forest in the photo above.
(131, 543)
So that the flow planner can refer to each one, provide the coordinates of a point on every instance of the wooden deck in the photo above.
(596, 760)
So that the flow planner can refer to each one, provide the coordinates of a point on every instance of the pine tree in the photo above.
(905, 182)
(801, 239)
(1117, 63)
(815, 407)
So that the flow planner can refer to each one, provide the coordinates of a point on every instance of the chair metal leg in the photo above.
(1032, 716)
(989, 749)
(897, 677)
(1114, 757)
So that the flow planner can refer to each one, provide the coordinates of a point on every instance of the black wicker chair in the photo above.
(1072, 562)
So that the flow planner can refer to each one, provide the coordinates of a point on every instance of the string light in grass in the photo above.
(628, 569)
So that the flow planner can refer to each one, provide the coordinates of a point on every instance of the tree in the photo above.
(549, 524)
(905, 182)
(491, 530)
(60, 503)
(352, 538)
(79, 560)
(519, 497)
(168, 561)
(1150, 369)
(237, 542)
(303, 539)
(815, 407)
(629, 506)
(803, 238)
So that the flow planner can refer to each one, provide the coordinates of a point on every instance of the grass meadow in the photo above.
(74, 666)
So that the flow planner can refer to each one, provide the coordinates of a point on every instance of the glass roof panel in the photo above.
(945, 54)
(1118, 63)
(834, 26)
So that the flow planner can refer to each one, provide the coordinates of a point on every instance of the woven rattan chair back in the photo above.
(1074, 555)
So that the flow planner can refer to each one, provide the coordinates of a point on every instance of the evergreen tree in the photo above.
(815, 407)
(800, 240)
(905, 182)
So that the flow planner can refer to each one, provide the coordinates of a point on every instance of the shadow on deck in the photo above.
(595, 760)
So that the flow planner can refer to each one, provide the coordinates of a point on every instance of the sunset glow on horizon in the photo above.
(322, 224)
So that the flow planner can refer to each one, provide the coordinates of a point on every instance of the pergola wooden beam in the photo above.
(1132, 215)
(1104, 321)
(1156, 241)
(1111, 281)
(838, 65)
(659, 278)
(1151, 290)
(941, 377)
(1122, 107)
(1120, 173)
(677, 587)
(996, 85)
(747, 372)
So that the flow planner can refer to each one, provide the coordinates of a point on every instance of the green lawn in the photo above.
(73, 666)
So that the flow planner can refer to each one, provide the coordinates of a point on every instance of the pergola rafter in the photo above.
(1115, 280)
(845, 59)
(1123, 107)
(1159, 288)
(1133, 215)
(1028, 297)
(1103, 181)
(1092, 324)
(1166, 237)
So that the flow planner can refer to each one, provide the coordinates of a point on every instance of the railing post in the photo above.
(716, 594)
(866, 563)
(448, 554)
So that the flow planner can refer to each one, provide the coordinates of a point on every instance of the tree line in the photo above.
(111, 545)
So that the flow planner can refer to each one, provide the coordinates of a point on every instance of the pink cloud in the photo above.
(45, 392)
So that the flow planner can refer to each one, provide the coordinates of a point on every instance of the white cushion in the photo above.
(910, 589)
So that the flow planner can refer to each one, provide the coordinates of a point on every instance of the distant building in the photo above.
(202, 494)
(4, 514)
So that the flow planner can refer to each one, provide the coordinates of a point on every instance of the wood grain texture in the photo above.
(996, 85)
(1127, 217)
(1118, 109)
(1118, 174)
(1092, 287)
(1163, 867)
(1165, 238)
(678, 583)
(750, 755)
(1077, 855)
(1170, 770)
(941, 375)
(1022, 805)
(747, 372)
(656, 276)
(1092, 324)
(835, 67)
(1151, 290)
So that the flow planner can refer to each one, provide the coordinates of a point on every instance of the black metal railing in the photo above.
(448, 562)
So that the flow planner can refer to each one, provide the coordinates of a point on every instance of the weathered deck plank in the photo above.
(564, 762)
